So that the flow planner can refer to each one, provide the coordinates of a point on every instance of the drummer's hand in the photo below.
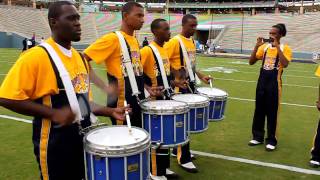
(206, 79)
(155, 91)
(119, 113)
(183, 84)
(318, 105)
(63, 116)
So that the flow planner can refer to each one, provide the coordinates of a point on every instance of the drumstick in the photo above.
(210, 81)
(127, 117)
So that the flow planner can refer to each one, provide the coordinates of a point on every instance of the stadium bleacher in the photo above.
(302, 29)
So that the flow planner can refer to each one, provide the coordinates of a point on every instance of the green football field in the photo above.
(297, 126)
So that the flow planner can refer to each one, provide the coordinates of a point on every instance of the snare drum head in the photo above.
(212, 92)
(163, 105)
(112, 136)
(191, 99)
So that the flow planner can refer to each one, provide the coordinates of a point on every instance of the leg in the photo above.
(272, 113)
(259, 114)
(160, 161)
(315, 152)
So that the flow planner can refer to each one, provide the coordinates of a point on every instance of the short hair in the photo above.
(282, 29)
(127, 8)
(187, 17)
(55, 8)
(156, 24)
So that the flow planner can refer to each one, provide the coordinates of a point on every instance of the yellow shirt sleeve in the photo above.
(173, 50)
(103, 48)
(287, 52)
(147, 61)
(26, 79)
(260, 52)
(318, 71)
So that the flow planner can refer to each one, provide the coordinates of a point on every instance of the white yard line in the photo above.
(258, 163)
(284, 84)
(219, 156)
(284, 103)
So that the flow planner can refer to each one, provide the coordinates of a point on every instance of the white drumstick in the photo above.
(127, 117)
(210, 81)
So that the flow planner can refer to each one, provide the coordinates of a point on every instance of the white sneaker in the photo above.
(157, 177)
(254, 142)
(314, 163)
(191, 155)
(270, 147)
(190, 167)
(171, 175)
(169, 172)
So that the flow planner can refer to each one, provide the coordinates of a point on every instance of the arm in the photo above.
(94, 77)
(63, 116)
(318, 102)
(204, 78)
(283, 60)
(117, 113)
(253, 58)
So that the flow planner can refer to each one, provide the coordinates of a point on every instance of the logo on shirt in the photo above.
(269, 63)
(136, 64)
(81, 83)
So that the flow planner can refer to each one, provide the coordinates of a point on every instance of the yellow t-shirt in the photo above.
(173, 49)
(318, 71)
(107, 50)
(149, 63)
(272, 55)
(32, 76)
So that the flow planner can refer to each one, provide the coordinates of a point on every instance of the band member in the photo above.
(160, 158)
(275, 57)
(34, 87)
(107, 50)
(315, 151)
(184, 70)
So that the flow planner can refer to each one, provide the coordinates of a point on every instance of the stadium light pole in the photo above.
(242, 30)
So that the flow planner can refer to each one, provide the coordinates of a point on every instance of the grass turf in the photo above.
(297, 126)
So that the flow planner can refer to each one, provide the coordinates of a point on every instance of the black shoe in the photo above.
(189, 167)
(314, 164)
(254, 142)
(171, 175)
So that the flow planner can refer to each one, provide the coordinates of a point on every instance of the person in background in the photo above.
(275, 57)
(315, 151)
(145, 42)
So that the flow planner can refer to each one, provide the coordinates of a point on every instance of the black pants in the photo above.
(60, 156)
(183, 153)
(315, 152)
(160, 161)
(267, 105)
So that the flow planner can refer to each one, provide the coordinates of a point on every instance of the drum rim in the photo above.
(179, 110)
(116, 151)
(213, 97)
(200, 104)
(175, 145)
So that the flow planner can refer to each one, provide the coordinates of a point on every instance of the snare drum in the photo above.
(166, 121)
(111, 153)
(199, 109)
(218, 100)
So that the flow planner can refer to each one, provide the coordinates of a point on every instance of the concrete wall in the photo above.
(10, 40)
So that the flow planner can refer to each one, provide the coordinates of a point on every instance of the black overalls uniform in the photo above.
(63, 145)
(160, 158)
(268, 94)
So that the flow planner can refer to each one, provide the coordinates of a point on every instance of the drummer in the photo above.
(160, 160)
(180, 71)
(33, 87)
(107, 50)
